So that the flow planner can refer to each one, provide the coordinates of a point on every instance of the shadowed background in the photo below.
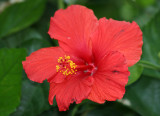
(23, 29)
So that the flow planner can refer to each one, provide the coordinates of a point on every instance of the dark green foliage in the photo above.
(143, 96)
(151, 48)
(20, 15)
(23, 30)
(10, 79)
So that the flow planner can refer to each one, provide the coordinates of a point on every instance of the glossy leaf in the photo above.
(107, 109)
(10, 79)
(20, 15)
(42, 25)
(151, 48)
(28, 38)
(34, 99)
(143, 96)
(135, 73)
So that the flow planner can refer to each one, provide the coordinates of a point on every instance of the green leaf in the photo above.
(128, 11)
(34, 99)
(151, 46)
(43, 24)
(50, 113)
(107, 109)
(20, 15)
(28, 38)
(103, 8)
(10, 79)
(135, 73)
(145, 3)
(147, 15)
(143, 96)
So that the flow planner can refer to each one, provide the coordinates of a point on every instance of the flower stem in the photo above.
(149, 65)
(60, 4)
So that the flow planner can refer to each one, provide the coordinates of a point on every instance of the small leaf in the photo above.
(135, 73)
(10, 79)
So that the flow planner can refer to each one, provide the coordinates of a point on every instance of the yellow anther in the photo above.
(67, 57)
(66, 66)
(57, 67)
(60, 59)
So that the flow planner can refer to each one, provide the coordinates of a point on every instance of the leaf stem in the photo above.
(75, 110)
(149, 65)
(60, 4)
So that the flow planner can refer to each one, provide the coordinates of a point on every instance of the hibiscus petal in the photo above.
(75, 88)
(110, 78)
(121, 36)
(57, 77)
(41, 65)
(73, 27)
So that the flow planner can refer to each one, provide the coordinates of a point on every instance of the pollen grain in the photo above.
(66, 66)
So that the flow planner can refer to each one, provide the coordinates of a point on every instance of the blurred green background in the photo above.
(23, 29)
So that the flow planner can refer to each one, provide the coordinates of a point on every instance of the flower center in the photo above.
(66, 66)
(88, 69)
(91, 69)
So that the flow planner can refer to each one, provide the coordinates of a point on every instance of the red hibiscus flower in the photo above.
(92, 60)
